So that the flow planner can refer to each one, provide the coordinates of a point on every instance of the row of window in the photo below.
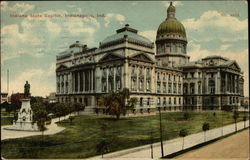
(160, 101)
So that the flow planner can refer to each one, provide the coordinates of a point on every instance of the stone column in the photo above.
(92, 82)
(226, 81)
(78, 81)
(145, 79)
(107, 78)
(114, 79)
(65, 79)
(137, 79)
(216, 83)
(207, 89)
(83, 81)
(59, 81)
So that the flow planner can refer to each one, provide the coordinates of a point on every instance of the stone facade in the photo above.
(163, 79)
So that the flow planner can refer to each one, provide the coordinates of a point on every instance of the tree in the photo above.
(132, 102)
(115, 102)
(40, 115)
(71, 118)
(186, 116)
(183, 133)
(102, 147)
(205, 127)
(235, 117)
(58, 109)
(78, 107)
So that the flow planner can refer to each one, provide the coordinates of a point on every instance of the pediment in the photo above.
(61, 67)
(110, 57)
(142, 57)
(234, 66)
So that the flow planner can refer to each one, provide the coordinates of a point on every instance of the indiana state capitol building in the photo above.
(164, 79)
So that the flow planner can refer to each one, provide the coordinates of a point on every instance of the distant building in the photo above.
(3, 97)
(165, 78)
(16, 97)
(52, 97)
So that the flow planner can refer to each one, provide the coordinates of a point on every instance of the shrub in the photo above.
(186, 116)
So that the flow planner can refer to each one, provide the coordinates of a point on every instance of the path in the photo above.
(53, 128)
(235, 146)
(172, 146)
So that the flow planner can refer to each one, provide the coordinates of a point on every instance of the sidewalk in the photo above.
(53, 128)
(172, 146)
(235, 146)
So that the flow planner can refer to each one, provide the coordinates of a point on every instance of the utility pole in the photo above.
(162, 153)
(8, 81)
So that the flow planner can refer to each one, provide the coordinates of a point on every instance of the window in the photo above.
(179, 88)
(174, 88)
(192, 74)
(164, 101)
(158, 87)
(141, 101)
(169, 100)
(199, 87)
(185, 88)
(192, 88)
(169, 87)
(141, 83)
(133, 84)
(164, 87)
(148, 102)
(148, 85)
(158, 101)
(174, 100)
(211, 85)
(179, 101)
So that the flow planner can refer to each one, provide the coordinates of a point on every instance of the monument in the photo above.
(24, 121)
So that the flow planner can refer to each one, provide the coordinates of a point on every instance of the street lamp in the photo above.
(162, 153)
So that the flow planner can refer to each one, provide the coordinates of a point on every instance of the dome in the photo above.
(171, 26)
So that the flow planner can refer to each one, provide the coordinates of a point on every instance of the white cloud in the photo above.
(20, 8)
(35, 36)
(150, 34)
(112, 16)
(224, 47)
(215, 19)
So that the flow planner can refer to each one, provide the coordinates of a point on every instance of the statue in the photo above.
(27, 89)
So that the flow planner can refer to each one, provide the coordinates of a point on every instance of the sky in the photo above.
(29, 43)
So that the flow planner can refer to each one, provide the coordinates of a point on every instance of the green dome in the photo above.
(171, 26)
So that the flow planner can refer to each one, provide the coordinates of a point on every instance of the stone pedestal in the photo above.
(25, 118)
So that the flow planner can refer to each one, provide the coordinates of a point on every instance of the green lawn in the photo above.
(6, 120)
(80, 138)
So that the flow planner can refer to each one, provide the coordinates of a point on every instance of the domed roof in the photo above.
(171, 25)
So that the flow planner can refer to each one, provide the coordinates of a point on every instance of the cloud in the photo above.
(20, 8)
(224, 47)
(215, 19)
(36, 36)
(112, 16)
(150, 34)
